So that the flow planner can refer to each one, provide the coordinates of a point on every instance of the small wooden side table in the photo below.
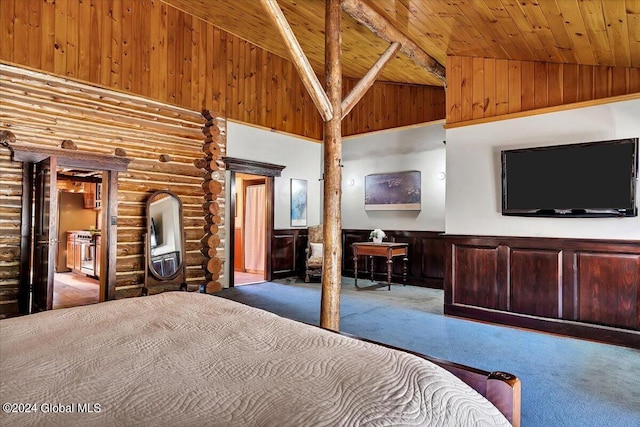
(387, 250)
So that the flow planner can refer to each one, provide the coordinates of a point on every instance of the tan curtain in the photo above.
(254, 229)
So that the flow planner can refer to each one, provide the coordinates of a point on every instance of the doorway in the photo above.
(268, 172)
(40, 214)
(250, 229)
(76, 280)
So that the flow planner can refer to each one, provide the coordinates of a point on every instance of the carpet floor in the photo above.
(565, 381)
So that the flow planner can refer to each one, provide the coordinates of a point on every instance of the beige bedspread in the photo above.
(188, 359)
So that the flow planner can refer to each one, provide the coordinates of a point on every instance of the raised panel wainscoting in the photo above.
(425, 266)
(584, 288)
(288, 252)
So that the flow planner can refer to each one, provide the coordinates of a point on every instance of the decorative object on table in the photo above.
(298, 202)
(377, 235)
(392, 191)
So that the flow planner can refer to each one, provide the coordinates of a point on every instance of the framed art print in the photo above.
(399, 191)
(298, 202)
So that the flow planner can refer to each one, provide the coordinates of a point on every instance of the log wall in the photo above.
(10, 220)
(149, 48)
(480, 88)
(214, 240)
(162, 141)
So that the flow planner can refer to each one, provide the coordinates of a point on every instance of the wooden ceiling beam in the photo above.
(367, 81)
(381, 27)
(300, 61)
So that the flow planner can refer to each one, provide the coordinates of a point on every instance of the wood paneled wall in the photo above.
(480, 88)
(386, 106)
(288, 254)
(44, 110)
(426, 257)
(149, 48)
(565, 286)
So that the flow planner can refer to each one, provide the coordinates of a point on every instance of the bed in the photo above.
(190, 359)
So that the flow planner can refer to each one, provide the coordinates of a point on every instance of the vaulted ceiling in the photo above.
(594, 32)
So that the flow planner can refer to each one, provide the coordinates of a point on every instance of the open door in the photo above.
(45, 234)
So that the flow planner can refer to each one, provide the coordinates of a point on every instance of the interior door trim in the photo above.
(110, 166)
(69, 158)
(269, 171)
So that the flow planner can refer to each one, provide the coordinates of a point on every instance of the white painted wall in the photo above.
(473, 193)
(417, 148)
(301, 158)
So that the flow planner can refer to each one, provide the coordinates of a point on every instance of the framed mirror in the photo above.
(164, 243)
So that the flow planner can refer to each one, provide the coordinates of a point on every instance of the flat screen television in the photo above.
(574, 180)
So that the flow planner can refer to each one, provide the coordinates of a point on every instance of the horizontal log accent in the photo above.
(211, 228)
(211, 149)
(212, 186)
(211, 207)
(578, 287)
(213, 287)
(209, 252)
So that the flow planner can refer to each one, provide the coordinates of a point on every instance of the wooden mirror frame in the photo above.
(152, 278)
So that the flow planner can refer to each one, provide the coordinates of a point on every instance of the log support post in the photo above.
(332, 220)
(332, 109)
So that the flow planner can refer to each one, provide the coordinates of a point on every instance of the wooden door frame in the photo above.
(262, 180)
(110, 166)
(269, 171)
(46, 218)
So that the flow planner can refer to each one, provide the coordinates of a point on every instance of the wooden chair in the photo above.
(314, 250)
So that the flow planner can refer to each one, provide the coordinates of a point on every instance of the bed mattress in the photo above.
(189, 359)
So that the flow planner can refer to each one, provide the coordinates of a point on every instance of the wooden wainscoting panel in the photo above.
(425, 266)
(283, 253)
(585, 288)
(288, 252)
(414, 255)
(432, 257)
(606, 281)
(475, 276)
(350, 237)
(536, 282)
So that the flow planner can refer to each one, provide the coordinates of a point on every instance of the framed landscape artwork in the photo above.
(298, 202)
(398, 191)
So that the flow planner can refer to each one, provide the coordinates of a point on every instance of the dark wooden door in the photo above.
(45, 234)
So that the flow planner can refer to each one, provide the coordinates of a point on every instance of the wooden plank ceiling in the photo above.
(592, 32)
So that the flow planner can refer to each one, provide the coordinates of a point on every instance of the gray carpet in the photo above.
(565, 381)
